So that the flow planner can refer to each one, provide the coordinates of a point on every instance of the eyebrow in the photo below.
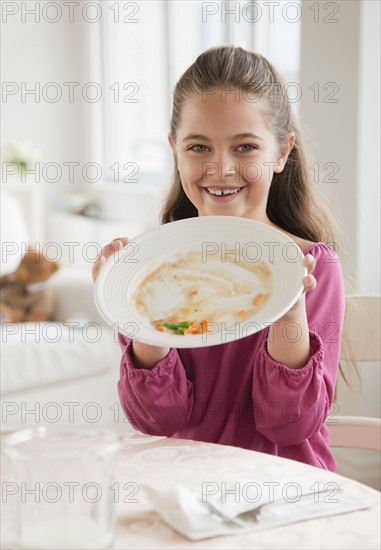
(198, 136)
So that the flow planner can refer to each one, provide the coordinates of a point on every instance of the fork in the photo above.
(242, 519)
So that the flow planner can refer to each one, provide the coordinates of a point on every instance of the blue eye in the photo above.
(193, 147)
(251, 147)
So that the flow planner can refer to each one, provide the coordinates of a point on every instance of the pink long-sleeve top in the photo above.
(236, 394)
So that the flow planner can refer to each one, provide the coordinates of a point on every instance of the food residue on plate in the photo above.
(186, 295)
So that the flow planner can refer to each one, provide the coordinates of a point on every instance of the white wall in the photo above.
(330, 53)
(347, 132)
(368, 159)
(43, 52)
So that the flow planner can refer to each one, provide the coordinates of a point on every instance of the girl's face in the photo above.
(226, 155)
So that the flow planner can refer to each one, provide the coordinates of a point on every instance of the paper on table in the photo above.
(185, 512)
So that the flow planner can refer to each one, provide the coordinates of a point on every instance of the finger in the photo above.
(106, 252)
(114, 246)
(309, 283)
(98, 266)
(309, 262)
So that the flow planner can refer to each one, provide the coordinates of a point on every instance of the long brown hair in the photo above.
(294, 203)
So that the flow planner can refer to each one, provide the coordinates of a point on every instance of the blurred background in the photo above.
(86, 103)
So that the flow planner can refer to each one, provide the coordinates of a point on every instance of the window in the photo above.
(144, 58)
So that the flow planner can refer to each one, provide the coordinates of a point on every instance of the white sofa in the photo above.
(63, 372)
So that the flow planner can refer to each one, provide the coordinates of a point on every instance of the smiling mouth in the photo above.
(223, 192)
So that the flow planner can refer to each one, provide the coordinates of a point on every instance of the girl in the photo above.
(264, 392)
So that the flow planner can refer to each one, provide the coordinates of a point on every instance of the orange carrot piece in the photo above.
(258, 299)
(243, 312)
(192, 330)
(194, 292)
(161, 329)
(205, 325)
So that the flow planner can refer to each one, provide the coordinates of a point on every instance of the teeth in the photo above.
(219, 192)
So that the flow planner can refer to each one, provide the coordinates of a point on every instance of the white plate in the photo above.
(219, 241)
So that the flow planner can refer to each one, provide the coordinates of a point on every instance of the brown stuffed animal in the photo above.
(23, 293)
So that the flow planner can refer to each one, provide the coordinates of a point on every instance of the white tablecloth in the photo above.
(145, 459)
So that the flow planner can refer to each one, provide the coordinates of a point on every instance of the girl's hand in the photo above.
(106, 252)
(309, 282)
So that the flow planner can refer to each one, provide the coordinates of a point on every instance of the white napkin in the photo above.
(184, 510)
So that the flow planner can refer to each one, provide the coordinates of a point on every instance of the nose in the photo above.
(222, 169)
(229, 171)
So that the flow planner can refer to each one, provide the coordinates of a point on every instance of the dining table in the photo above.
(145, 459)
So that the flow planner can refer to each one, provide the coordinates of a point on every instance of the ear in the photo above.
(284, 151)
(173, 145)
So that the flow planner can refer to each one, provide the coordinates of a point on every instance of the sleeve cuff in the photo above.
(315, 359)
(164, 367)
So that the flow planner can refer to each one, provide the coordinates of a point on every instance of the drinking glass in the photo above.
(62, 482)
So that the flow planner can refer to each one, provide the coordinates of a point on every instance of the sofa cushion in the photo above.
(38, 354)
